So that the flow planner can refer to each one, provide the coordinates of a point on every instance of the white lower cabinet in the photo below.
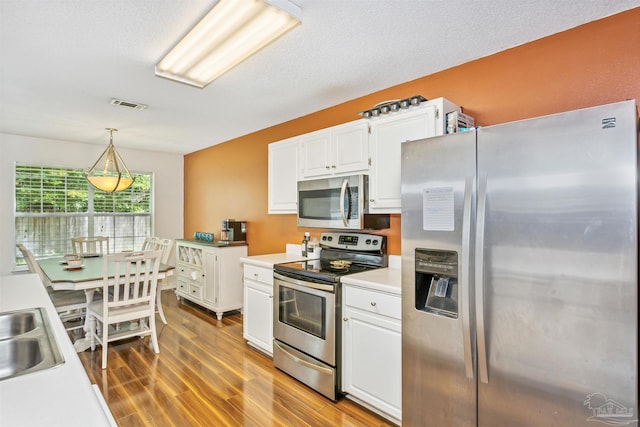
(372, 349)
(210, 276)
(258, 307)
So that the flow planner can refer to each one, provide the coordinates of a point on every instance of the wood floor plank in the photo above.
(207, 375)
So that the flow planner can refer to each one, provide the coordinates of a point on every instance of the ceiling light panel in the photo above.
(228, 34)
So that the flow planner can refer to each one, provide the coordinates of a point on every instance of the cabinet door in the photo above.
(210, 279)
(230, 285)
(315, 153)
(258, 315)
(283, 176)
(386, 136)
(350, 148)
(372, 362)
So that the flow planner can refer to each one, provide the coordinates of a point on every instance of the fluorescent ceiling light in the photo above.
(228, 34)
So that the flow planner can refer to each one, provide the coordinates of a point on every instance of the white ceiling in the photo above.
(63, 60)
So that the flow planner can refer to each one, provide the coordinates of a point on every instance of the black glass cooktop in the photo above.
(342, 253)
(326, 270)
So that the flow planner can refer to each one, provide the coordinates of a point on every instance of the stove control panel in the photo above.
(353, 241)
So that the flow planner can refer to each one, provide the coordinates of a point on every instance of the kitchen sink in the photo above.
(19, 355)
(16, 323)
(27, 343)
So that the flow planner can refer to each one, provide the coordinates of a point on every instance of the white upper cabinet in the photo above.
(339, 149)
(316, 151)
(363, 146)
(283, 176)
(387, 135)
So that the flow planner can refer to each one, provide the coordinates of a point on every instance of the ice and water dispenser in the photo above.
(437, 282)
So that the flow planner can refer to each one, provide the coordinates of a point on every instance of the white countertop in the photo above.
(60, 396)
(380, 279)
(269, 260)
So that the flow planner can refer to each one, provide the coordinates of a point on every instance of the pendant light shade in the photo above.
(109, 173)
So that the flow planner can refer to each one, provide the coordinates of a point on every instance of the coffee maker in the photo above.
(233, 232)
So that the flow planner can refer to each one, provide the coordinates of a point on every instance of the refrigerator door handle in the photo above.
(482, 347)
(466, 276)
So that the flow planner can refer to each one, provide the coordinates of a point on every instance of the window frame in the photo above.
(111, 221)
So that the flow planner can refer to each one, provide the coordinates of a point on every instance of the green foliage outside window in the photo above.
(54, 204)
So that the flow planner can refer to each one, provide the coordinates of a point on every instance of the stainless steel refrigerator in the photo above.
(520, 273)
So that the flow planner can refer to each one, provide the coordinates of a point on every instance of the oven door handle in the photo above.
(303, 362)
(304, 284)
(343, 192)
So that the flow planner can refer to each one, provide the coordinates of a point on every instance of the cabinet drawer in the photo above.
(189, 273)
(195, 291)
(259, 274)
(374, 302)
(182, 286)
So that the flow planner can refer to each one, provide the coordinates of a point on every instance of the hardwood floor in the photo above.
(206, 375)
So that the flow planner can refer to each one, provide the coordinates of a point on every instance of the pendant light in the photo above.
(114, 175)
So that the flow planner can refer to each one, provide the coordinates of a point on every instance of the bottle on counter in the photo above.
(304, 246)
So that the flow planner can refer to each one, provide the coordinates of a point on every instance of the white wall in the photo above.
(168, 172)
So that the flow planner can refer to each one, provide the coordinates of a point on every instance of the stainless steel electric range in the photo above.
(308, 309)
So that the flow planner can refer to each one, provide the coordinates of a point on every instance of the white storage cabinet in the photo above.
(338, 150)
(258, 307)
(372, 349)
(387, 134)
(210, 276)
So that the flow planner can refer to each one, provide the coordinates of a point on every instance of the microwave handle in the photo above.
(343, 192)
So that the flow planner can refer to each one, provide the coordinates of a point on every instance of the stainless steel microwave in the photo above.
(339, 202)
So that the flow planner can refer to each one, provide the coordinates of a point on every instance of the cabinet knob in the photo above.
(271, 296)
(255, 274)
(327, 167)
(373, 303)
(345, 318)
(333, 166)
(372, 200)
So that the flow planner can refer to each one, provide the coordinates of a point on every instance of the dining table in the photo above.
(87, 278)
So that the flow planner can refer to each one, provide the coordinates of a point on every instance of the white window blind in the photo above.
(52, 205)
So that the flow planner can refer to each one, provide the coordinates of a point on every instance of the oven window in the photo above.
(303, 311)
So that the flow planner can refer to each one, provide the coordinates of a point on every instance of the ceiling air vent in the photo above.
(128, 104)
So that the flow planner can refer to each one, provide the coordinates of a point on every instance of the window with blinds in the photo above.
(52, 205)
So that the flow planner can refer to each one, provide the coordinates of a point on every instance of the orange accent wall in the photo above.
(596, 63)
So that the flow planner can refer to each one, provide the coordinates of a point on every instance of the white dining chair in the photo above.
(134, 279)
(149, 244)
(70, 305)
(90, 245)
(164, 245)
